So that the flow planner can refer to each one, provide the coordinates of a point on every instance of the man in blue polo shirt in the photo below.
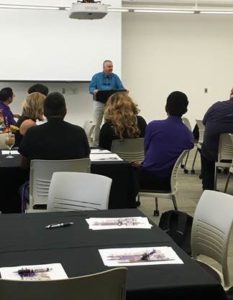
(102, 81)
(164, 141)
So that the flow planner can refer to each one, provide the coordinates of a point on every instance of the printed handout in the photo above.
(139, 256)
(34, 272)
(99, 151)
(7, 152)
(118, 223)
(105, 157)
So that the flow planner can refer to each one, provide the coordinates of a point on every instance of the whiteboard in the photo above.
(44, 45)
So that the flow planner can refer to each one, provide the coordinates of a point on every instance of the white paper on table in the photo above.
(13, 152)
(48, 272)
(139, 256)
(118, 223)
(105, 157)
(99, 151)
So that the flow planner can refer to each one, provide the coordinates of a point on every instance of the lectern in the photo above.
(102, 96)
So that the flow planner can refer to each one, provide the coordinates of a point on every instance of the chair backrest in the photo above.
(231, 137)
(175, 171)
(201, 128)
(129, 149)
(78, 191)
(107, 285)
(3, 145)
(211, 228)
(89, 127)
(41, 172)
(187, 123)
(225, 147)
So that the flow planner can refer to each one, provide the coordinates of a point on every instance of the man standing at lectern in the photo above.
(102, 81)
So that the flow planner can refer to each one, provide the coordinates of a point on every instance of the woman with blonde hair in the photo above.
(121, 120)
(32, 111)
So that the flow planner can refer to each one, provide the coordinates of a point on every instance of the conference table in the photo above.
(122, 195)
(25, 241)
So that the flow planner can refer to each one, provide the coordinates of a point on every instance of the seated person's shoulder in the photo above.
(141, 125)
(107, 129)
(74, 128)
(155, 123)
(107, 125)
(26, 125)
(141, 119)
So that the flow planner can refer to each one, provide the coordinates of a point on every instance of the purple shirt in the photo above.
(7, 114)
(164, 141)
(218, 119)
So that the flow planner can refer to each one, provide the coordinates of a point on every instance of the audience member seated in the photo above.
(218, 119)
(39, 88)
(33, 110)
(55, 139)
(6, 98)
(164, 141)
(121, 120)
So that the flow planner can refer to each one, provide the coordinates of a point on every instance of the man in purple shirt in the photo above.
(6, 98)
(218, 119)
(164, 141)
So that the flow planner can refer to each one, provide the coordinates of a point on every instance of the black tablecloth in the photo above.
(24, 241)
(124, 187)
(122, 195)
(11, 178)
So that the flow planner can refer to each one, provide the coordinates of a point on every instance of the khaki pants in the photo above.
(98, 112)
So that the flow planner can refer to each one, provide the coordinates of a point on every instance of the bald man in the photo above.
(102, 81)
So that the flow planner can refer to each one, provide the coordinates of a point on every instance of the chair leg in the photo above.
(156, 211)
(227, 182)
(138, 203)
(185, 164)
(194, 160)
(215, 177)
(174, 202)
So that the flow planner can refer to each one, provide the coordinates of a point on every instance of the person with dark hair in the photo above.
(164, 141)
(218, 119)
(55, 139)
(102, 81)
(38, 88)
(6, 98)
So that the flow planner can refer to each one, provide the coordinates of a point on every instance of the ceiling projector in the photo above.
(88, 10)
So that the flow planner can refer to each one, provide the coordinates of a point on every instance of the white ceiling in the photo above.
(218, 2)
(128, 3)
(111, 2)
(155, 3)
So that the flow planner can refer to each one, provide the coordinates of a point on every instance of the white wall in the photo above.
(78, 99)
(46, 45)
(162, 53)
(165, 52)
